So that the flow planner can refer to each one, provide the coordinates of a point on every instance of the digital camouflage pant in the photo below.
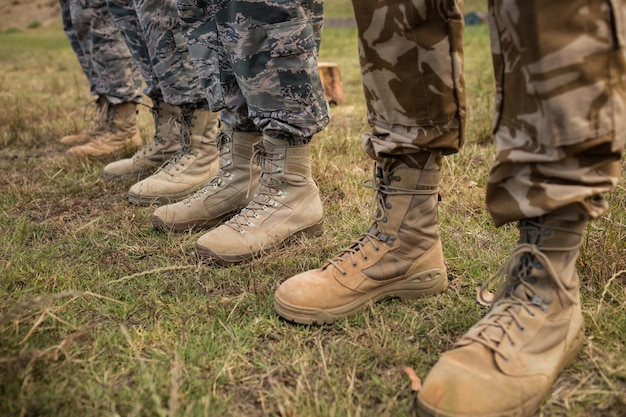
(101, 50)
(153, 34)
(258, 62)
(559, 111)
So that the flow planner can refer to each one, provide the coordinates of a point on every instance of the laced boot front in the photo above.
(121, 136)
(286, 203)
(399, 256)
(506, 363)
(230, 190)
(96, 127)
(191, 167)
(153, 154)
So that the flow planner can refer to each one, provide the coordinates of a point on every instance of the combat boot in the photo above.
(230, 190)
(153, 154)
(506, 363)
(399, 256)
(120, 138)
(286, 203)
(191, 167)
(96, 128)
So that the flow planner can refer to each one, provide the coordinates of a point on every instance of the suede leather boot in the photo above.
(153, 154)
(286, 203)
(399, 256)
(96, 128)
(191, 167)
(230, 190)
(121, 136)
(506, 363)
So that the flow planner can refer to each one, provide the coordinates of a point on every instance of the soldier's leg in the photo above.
(412, 70)
(559, 128)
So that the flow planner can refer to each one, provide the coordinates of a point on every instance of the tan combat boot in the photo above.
(230, 190)
(400, 255)
(153, 154)
(507, 362)
(190, 168)
(121, 136)
(96, 128)
(286, 203)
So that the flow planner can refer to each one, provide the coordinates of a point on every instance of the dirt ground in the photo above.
(21, 14)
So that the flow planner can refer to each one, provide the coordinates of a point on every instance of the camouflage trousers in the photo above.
(559, 110)
(101, 50)
(258, 62)
(560, 106)
(153, 34)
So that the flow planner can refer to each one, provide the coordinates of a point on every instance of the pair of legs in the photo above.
(559, 128)
(183, 155)
(112, 75)
(259, 68)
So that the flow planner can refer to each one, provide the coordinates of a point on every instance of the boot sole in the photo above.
(160, 200)
(224, 259)
(530, 407)
(191, 225)
(138, 176)
(413, 287)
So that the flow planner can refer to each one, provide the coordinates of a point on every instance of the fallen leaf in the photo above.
(484, 298)
(416, 382)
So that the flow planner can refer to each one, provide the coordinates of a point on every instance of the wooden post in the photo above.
(331, 80)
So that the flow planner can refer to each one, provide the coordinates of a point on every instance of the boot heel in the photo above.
(316, 230)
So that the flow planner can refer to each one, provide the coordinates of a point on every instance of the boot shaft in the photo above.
(282, 163)
(542, 268)
(122, 117)
(198, 128)
(236, 151)
(164, 114)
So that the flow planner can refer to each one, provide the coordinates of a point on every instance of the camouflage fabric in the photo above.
(262, 67)
(559, 114)
(72, 36)
(101, 50)
(412, 69)
(153, 33)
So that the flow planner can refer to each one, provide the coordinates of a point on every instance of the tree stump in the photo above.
(331, 81)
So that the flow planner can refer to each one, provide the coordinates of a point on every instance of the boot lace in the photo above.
(177, 161)
(98, 114)
(148, 148)
(517, 296)
(379, 183)
(217, 181)
(268, 194)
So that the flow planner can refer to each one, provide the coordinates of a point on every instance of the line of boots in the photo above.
(505, 364)
(262, 194)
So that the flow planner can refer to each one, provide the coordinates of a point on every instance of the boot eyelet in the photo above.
(366, 258)
(376, 249)
(354, 264)
(522, 329)
(344, 273)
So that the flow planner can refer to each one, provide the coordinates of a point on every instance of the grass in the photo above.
(101, 315)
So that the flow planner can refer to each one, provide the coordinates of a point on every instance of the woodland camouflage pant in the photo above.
(153, 33)
(258, 62)
(559, 110)
(101, 50)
